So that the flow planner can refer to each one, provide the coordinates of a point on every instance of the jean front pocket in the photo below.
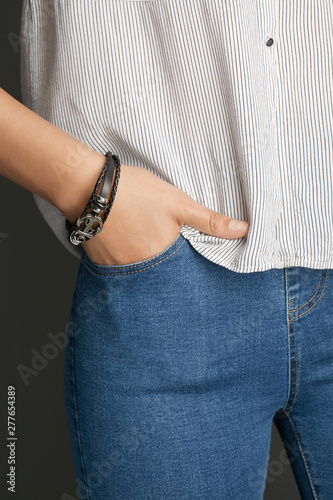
(134, 267)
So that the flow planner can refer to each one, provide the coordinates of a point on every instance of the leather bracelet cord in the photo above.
(114, 187)
(85, 228)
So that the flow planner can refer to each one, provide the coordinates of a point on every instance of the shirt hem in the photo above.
(267, 265)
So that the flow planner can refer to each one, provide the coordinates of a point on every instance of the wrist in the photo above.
(93, 217)
(79, 185)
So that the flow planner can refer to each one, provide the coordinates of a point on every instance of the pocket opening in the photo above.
(134, 266)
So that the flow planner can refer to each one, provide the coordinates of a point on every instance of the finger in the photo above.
(210, 222)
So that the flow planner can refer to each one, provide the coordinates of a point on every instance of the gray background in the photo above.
(37, 281)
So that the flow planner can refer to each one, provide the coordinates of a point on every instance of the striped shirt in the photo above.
(229, 100)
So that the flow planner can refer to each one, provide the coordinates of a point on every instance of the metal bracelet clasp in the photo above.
(85, 229)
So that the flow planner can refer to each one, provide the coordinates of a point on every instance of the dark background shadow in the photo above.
(37, 281)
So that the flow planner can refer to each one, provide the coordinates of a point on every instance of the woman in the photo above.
(191, 330)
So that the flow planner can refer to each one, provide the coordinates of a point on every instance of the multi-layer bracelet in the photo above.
(91, 220)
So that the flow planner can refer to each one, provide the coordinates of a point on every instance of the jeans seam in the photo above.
(296, 363)
(138, 270)
(76, 410)
(299, 315)
(302, 453)
(288, 337)
(295, 340)
(303, 305)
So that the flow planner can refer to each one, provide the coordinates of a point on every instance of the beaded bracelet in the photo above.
(90, 222)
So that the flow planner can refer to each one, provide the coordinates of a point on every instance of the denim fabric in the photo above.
(176, 368)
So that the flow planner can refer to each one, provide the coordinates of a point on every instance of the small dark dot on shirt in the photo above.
(269, 41)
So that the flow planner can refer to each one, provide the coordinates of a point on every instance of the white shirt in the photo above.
(229, 100)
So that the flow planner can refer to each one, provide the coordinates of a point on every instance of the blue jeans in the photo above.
(176, 368)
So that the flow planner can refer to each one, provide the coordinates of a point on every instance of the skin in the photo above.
(147, 212)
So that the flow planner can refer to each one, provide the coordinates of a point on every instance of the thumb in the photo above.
(209, 222)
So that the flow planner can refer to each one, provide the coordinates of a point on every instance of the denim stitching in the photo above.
(137, 271)
(296, 376)
(295, 340)
(288, 337)
(321, 274)
(302, 453)
(316, 301)
(145, 260)
(76, 411)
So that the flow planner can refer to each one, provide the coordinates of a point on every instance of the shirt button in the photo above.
(269, 41)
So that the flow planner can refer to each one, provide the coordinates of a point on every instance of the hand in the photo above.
(146, 217)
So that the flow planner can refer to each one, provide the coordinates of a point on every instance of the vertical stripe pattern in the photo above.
(191, 91)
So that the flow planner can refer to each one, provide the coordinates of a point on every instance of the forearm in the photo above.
(46, 160)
